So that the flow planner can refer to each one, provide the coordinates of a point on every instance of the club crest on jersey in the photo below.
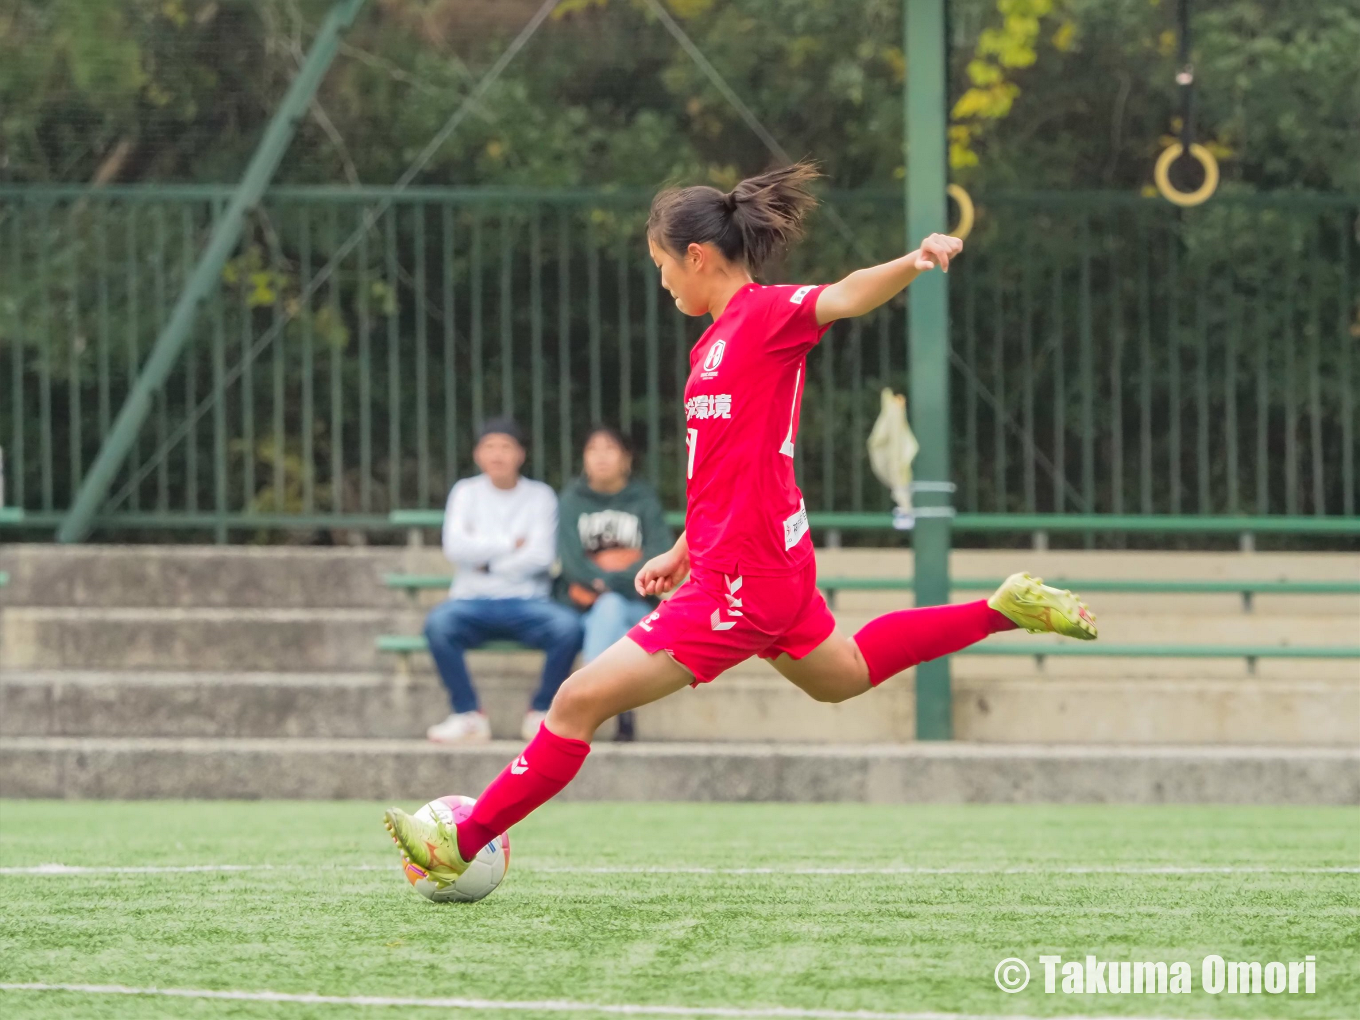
(714, 359)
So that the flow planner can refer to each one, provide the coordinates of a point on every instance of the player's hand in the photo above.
(937, 250)
(662, 573)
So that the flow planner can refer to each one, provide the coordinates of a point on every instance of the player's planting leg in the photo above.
(623, 678)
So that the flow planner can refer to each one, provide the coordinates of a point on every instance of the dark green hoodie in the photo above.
(589, 522)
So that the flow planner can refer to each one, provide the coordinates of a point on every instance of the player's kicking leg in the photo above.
(623, 678)
(841, 667)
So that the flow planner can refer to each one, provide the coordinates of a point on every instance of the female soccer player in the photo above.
(751, 587)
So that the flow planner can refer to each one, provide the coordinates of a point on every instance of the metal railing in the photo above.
(1112, 355)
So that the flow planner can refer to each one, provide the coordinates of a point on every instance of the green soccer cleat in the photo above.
(433, 846)
(1029, 603)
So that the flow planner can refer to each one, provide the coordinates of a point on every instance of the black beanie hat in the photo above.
(503, 426)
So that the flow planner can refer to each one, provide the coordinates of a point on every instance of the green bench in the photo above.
(405, 646)
(413, 584)
(1245, 589)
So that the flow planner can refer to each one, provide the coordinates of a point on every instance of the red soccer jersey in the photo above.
(745, 514)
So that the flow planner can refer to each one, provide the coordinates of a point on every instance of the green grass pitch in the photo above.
(335, 916)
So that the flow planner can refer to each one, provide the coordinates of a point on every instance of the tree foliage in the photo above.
(1044, 93)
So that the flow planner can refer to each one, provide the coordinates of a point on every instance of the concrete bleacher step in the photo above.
(111, 576)
(274, 642)
(206, 704)
(225, 639)
(749, 705)
(413, 771)
(1197, 711)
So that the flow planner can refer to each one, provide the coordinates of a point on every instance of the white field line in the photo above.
(546, 1006)
(1115, 869)
(1077, 870)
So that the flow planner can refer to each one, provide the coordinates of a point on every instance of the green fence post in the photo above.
(227, 231)
(928, 340)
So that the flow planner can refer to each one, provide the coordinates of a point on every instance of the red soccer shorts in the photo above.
(714, 621)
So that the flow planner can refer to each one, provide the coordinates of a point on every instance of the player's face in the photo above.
(500, 458)
(606, 463)
(681, 279)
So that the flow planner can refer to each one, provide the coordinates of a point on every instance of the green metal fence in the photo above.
(1111, 354)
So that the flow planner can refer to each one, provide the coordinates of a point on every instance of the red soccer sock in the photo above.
(898, 640)
(547, 765)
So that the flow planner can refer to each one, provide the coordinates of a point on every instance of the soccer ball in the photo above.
(483, 874)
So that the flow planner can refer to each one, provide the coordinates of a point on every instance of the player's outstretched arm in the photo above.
(866, 289)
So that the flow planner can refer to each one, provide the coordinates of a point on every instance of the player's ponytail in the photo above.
(757, 218)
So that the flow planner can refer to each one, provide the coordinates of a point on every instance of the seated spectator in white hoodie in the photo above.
(500, 533)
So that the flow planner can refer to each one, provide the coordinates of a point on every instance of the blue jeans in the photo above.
(457, 625)
(609, 619)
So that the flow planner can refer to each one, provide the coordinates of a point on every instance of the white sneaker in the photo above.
(461, 728)
(532, 721)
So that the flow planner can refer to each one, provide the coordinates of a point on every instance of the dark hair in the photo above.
(611, 433)
(748, 224)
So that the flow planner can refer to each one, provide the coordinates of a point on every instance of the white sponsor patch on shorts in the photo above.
(796, 527)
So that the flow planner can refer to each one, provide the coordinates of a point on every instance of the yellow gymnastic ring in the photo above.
(965, 226)
(1186, 198)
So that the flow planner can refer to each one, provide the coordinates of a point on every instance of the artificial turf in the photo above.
(897, 942)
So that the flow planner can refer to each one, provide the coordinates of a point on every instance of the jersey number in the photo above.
(691, 440)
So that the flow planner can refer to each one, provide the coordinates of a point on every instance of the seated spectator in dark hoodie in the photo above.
(609, 524)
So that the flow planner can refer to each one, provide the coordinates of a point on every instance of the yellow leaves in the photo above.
(684, 9)
(261, 285)
(897, 63)
(800, 48)
(982, 73)
(725, 177)
(331, 328)
(264, 290)
(1166, 43)
(1009, 46)
(173, 12)
(573, 6)
(495, 148)
(384, 297)
(156, 95)
(1012, 46)
(1219, 150)
(1024, 8)
(990, 103)
(961, 152)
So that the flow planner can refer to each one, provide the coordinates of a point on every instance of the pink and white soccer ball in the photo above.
(484, 873)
